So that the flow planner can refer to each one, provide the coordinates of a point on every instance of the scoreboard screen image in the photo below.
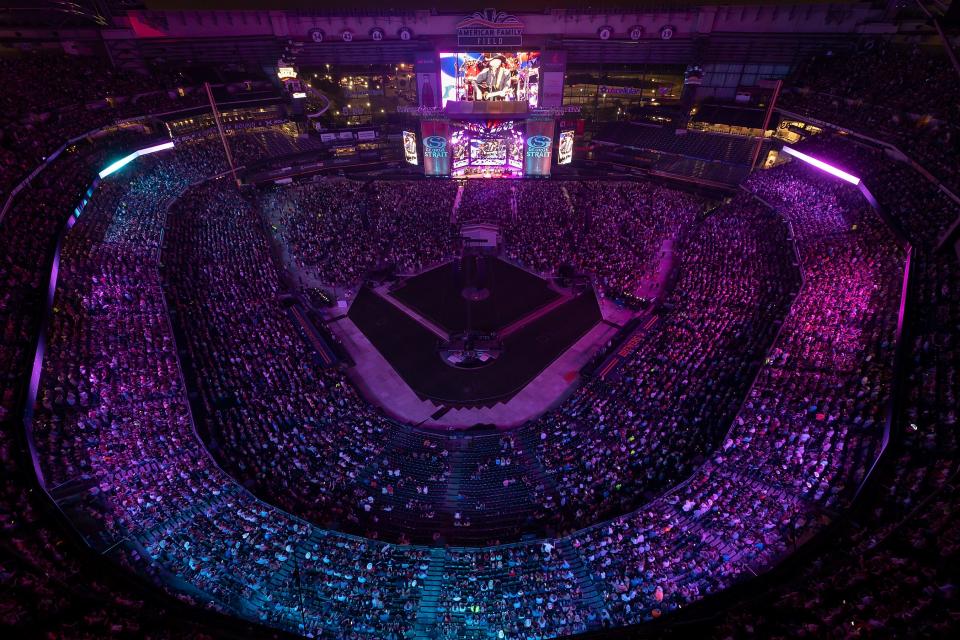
(490, 75)
(565, 147)
(410, 147)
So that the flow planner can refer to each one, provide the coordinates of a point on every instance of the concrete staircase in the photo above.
(527, 439)
(284, 576)
(591, 594)
(456, 474)
(423, 628)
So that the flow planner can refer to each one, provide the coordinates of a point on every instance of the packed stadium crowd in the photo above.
(922, 213)
(823, 397)
(30, 229)
(338, 231)
(119, 379)
(893, 570)
(649, 423)
(90, 94)
(387, 479)
(731, 305)
(115, 444)
(523, 591)
(610, 230)
(112, 351)
(904, 94)
(235, 326)
(49, 580)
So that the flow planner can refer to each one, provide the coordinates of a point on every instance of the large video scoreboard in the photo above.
(491, 118)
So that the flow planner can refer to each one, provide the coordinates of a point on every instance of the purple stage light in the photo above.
(823, 166)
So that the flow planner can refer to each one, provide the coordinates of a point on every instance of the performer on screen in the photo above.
(566, 149)
(471, 67)
(493, 83)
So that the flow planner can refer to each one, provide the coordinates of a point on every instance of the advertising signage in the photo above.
(410, 147)
(538, 147)
(565, 152)
(490, 28)
(436, 150)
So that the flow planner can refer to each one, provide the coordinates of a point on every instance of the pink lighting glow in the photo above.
(823, 166)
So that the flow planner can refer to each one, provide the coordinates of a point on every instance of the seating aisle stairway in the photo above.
(427, 613)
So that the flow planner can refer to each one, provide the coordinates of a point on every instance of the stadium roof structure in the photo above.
(459, 6)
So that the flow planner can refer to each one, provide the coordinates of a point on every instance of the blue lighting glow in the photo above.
(122, 162)
(86, 199)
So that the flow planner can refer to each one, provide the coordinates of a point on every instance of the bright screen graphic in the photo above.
(490, 75)
(460, 145)
(538, 147)
(487, 149)
(410, 147)
(491, 152)
(565, 148)
(436, 150)
(515, 150)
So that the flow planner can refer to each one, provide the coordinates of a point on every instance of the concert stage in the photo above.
(437, 295)
(412, 349)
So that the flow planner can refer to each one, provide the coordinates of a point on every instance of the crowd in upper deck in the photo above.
(112, 415)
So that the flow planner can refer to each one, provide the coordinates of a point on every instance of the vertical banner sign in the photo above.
(538, 147)
(428, 87)
(410, 147)
(553, 67)
(565, 147)
(436, 146)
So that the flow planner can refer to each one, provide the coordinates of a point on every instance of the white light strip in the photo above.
(122, 162)
(823, 166)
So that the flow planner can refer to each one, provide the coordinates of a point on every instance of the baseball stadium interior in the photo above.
(399, 321)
